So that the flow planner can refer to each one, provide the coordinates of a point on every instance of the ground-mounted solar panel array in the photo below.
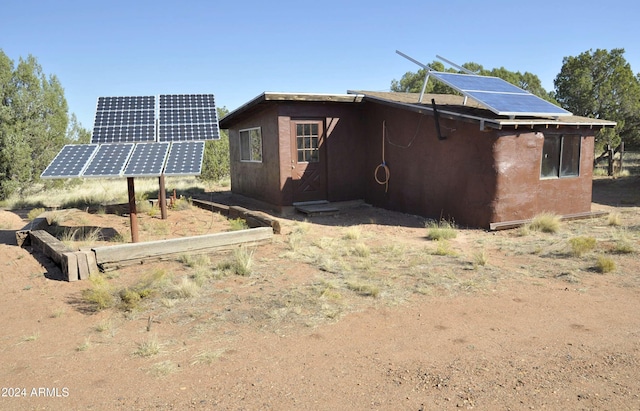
(500, 96)
(142, 136)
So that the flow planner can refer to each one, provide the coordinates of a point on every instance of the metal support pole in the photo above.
(162, 197)
(133, 213)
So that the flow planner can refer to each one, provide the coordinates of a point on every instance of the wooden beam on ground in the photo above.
(505, 225)
(39, 223)
(253, 218)
(211, 206)
(123, 254)
(57, 251)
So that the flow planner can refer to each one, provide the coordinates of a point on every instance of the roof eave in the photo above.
(494, 123)
(230, 118)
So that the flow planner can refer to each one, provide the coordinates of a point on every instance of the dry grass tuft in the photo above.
(207, 357)
(148, 348)
(164, 368)
(100, 295)
(614, 219)
(34, 213)
(182, 204)
(480, 258)
(238, 224)
(581, 245)
(242, 261)
(186, 288)
(545, 222)
(605, 264)
(352, 233)
(363, 288)
(441, 230)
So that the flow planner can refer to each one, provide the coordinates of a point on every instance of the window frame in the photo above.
(249, 133)
(556, 167)
(310, 147)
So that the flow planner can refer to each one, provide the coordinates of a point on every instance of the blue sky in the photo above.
(238, 49)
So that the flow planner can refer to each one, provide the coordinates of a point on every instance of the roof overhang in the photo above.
(485, 118)
(267, 96)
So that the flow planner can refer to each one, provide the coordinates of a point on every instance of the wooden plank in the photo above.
(151, 249)
(211, 206)
(39, 223)
(237, 212)
(70, 266)
(115, 265)
(567, 217)
(83, 265)
(93, 265)
(48, 245)
(254, 218)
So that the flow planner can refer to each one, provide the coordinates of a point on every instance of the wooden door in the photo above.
(308, 160)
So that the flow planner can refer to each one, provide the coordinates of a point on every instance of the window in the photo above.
(251, 145)
(560, 156)
(307, 137)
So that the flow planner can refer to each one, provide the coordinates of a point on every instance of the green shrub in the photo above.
(238, 224)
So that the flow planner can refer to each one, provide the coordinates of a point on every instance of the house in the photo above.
(444, 157)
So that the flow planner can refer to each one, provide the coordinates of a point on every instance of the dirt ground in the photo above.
(333, 317)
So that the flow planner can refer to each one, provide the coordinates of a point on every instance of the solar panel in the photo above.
(70, 161)
(124, 120)
(500, 96)
(185, 158)
(188, 117)
(147, 160)
(109, 161)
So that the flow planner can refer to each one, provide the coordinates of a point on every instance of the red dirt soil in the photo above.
(521, 342)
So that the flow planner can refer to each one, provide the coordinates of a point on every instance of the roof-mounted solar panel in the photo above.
(70, 162)
(124, 120)
(188, 117)
(109, 161)
(500, 96)
(147, 160)
(185, 158)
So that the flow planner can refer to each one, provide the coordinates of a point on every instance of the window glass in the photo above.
(560, 156)
(251, 145)
(570, 162)
(550, 156)
(307, 137)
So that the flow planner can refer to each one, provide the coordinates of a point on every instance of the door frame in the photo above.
(322, 193)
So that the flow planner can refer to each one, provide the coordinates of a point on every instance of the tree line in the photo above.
(35, 122)
(596, 84)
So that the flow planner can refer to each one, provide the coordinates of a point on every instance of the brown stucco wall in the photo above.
(521, 193)
(451, 179)
(473, 177)
(270, 180)
(257, 180)
(343, 144)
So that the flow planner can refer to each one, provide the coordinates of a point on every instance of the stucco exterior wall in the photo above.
(452, 178)
(252, 179)
(474, 177)
(521, 192)
(270, 180)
